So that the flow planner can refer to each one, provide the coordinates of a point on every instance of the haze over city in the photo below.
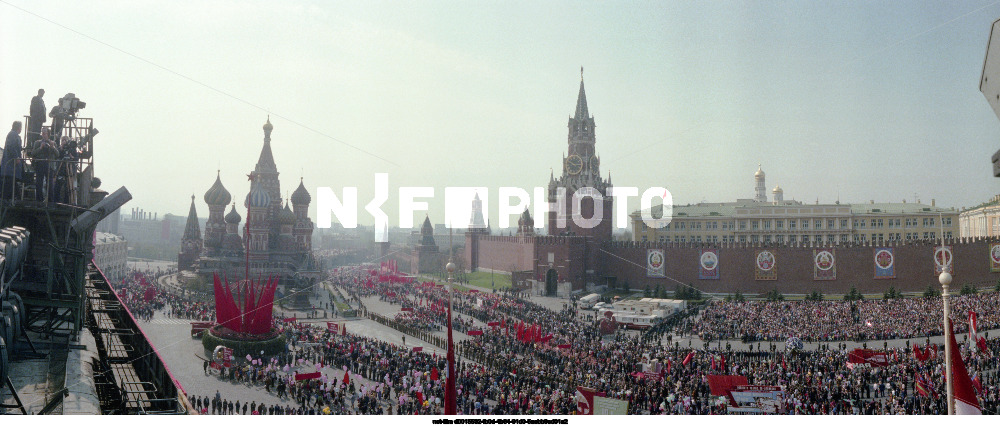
(853, 101)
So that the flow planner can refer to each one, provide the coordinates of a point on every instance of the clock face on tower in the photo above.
(574, 164)
(595, 164)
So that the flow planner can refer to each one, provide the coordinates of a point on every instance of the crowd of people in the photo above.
(500, 372)
(841, 320)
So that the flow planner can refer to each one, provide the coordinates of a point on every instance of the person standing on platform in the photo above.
(37, 115)
(43, 151)
(11, 168)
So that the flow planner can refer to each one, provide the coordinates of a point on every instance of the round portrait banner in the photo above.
(942, 257)
(709, 261)
(824, 260)
(655, 260)
(883, 259)
(765, 260)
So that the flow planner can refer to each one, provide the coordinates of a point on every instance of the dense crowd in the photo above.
(500, 372)
(841, 320)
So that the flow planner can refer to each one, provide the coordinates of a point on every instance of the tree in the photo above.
(815, 296)
(774, 295)
(997, 287)
(739, 297)
(649, 292)
(892, 293)
(968, 289)
(932, 292)
(853, 295)
(660, 293)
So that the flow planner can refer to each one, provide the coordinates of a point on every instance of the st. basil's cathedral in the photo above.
(278, 234)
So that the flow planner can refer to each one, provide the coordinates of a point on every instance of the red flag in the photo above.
(965, 396)
(921, 385)
(972, 325)
(919, 354)
(783, 365)
(347, 378)
(309, 376)
(977, 384)
(687, 359)
(434, 373)
(713, 363)
(981, 343)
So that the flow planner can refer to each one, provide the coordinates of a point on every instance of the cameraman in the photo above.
(66, 170)
(41, 153)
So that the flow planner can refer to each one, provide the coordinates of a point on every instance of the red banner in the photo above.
(309, 376)
(585, 400)
(418, 348)
(474, 333)
(866, 356)
(722, 385)
(563, 346)
(288, 320)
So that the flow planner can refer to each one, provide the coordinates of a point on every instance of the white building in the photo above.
(111, 255)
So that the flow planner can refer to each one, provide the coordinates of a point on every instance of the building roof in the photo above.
(103, 237)
(729, 208)
(896, 208)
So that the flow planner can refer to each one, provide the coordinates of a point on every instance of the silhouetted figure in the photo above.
(37, 115)
(58, 115)
(41, 153)
(11, 168)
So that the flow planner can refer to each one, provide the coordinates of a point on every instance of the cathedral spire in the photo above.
(191, 230)
(266, 161)
(581, 102)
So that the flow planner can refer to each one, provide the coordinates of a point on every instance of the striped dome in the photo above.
(287, 216)
(301, 195)
(217, 195)
(257, 198)
(233, 217)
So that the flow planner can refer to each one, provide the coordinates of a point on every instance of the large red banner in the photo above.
(585, 400)
(866, 356)
(309, 376)
(723, 385)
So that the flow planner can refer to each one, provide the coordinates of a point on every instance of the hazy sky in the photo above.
(865, 100)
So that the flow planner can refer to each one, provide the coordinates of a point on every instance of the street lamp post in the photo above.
(945, 279)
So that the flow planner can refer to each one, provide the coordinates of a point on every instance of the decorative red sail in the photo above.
(254, 317)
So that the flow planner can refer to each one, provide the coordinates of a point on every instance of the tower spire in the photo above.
(581, 102)
(192, 231)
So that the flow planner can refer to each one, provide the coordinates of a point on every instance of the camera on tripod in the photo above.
(70, 105)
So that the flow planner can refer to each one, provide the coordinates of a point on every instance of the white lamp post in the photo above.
(945, 279)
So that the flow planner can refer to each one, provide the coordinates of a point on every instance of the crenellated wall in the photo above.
(855, 265)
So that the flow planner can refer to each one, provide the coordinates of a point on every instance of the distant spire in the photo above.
(265, 163)
(581, 101)
(192, 231)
